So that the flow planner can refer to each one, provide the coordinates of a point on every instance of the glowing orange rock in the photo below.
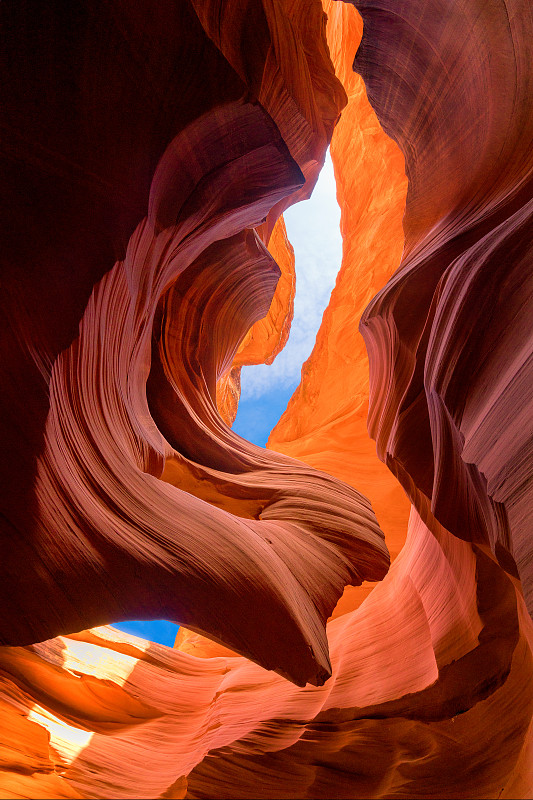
(450, 358)
(199, 646)
(269, 335)
(325, 424)
(128, 493)
(424, 675)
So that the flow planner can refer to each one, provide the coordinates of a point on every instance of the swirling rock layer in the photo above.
(141, 501)
(450, 358)
(148, 153)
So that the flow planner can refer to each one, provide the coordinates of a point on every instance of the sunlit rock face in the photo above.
(326, 422)
(149, 153)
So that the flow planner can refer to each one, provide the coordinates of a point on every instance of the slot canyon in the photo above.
(355, 600)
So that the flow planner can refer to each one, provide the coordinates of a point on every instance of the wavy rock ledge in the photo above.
(149, 152)
(132, 398)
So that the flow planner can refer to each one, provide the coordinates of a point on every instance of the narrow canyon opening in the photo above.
(310, 399)
(313, 230)
(150, 152)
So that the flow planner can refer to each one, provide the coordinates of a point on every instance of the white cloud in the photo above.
(313, 229)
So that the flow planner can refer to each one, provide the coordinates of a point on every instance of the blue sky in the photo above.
(313, 230)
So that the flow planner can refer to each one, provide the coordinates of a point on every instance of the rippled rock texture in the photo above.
(141, 500)
(149, 151)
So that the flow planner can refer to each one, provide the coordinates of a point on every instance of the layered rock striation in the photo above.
(148, 154)
(449, 355)
(137, 500)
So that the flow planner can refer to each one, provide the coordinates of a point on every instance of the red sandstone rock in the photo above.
(142, 502)
(146, 502)
(423, 682)
(450, 356)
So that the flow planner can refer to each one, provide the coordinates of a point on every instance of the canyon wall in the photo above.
(325, 424)
(149, 153)
(128, 496)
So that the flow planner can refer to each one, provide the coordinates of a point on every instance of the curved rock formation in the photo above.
(386, 724)
(131, 399)
(325, 424)
(128, 298)
(451, 400)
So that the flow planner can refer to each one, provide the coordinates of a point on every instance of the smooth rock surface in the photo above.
(136, 499)
(149, 151)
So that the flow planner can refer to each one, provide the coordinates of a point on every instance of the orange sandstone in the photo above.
(135, 265)
(325, 424)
